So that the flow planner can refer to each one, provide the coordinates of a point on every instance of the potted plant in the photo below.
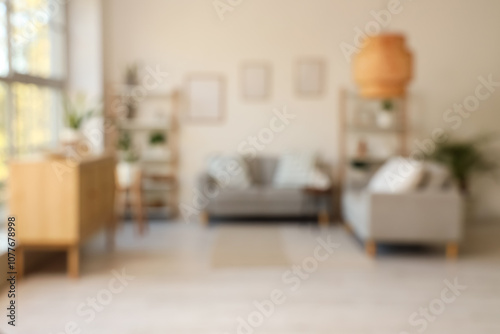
(385, 116)
(463, 159)
(124, 144)
(131, 108)
(157, 141)
(131, 75)
(76, 112)
(127, 166)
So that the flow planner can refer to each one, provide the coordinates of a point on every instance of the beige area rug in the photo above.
(248, 246)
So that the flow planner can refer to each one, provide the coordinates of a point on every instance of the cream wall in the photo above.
(454, 42)
(86, 60)
(85, 45)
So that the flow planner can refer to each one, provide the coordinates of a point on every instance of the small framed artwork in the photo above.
(256, 81)
(205, 97)
(310, 77)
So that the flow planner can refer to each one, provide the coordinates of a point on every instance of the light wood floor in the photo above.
(176, 290)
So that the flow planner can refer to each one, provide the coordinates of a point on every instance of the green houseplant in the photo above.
(76, 111)
(128, 166)
(463, 159)
(132, 75)
(157, 141)
(385, 116)
(125, 148)
(387, 105)
(130, 107)
(157, 138)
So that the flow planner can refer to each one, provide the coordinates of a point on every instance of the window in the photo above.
(37, 38)
(3, 131)
(32, 75)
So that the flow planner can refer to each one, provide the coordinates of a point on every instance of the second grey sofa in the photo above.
(261, 199)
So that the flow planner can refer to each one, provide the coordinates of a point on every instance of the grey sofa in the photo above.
(428, 216)
(261, 199)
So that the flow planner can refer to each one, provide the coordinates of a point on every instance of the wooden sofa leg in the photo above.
(451, 250)
(371, 248)
(347, 228)
(204, 218)
(323, 218)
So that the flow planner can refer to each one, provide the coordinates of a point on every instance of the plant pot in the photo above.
(126, 173)
(73, 141)
(70, 136)
(385, 119)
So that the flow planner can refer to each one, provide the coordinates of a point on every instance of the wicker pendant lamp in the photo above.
(383, 67)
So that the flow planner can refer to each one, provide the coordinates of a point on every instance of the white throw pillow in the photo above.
(397, 175)
(229, 171)
(294, 170)
(318, 180)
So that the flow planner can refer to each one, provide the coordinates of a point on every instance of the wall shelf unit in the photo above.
(371, 131)
(153, 113)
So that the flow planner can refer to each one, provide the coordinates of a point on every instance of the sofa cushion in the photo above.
(318, 179)
(259, 201)
(261, 169)
(261, 194)
(397, 175)
(229, 171)
(294, 170)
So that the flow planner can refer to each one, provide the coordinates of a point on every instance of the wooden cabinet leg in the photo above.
(138, 210)
(323, 218)
(111, 231)
(73, 261)
(451, 250)
(138, 203)
(120, 206)
(204, 218)
(19, 262)
(371, 248)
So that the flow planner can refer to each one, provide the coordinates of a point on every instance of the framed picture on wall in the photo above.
(310, 77)
(256, 81)
(205, 97)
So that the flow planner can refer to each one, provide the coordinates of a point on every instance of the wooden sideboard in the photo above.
(59, 204)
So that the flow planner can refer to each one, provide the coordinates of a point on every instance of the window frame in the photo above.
(14, 77)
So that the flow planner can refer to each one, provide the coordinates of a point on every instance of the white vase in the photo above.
(126, 173)
(70, 136)
(385, 119)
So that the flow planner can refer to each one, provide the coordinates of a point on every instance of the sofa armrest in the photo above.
(429, 216)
